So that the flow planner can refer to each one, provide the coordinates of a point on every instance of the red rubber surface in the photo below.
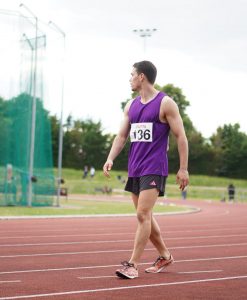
(76, 258)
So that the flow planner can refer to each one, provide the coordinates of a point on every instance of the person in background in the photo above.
(85, 172)
(184, 193)
(231, 192)
(92, 172)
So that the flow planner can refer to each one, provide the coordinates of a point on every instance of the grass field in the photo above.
(88, 207)
(201, 187)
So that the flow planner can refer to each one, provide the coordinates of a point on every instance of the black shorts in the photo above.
(137, 184)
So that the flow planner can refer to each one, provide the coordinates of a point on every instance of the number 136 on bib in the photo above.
(141, 132)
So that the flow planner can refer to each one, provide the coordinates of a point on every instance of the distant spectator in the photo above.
(231, 192)
(9, 168)
(106, 190)
(85, 172)
(184, 193)
(92, 172)
(121, 179)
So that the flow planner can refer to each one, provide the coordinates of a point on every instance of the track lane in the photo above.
(191, 254)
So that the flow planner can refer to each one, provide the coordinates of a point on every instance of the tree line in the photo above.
(85, 143)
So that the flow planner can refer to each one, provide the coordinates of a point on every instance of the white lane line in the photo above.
(122, 241)
(119, 288)
(97, 277)
(66, 243)
(66, 235)
(189, 272)
(111, 266)
(198, 272)
(221, 225)
(119, 233)
(119, 250)
(226, 212)
(33, 230)
(10, 281)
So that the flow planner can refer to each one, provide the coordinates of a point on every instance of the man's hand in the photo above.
(107, 167)
(182, 178)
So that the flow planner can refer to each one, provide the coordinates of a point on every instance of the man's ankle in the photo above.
(134, 264)
(166, 255)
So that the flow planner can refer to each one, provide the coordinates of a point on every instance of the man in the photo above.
(148, 120)
(231, 192)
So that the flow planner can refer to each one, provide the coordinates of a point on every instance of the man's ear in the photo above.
(142, 77)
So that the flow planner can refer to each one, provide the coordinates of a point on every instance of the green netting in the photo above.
(21, 109)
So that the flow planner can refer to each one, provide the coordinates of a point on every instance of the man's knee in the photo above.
(144, 216)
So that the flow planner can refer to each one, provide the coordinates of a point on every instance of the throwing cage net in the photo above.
(26, 163)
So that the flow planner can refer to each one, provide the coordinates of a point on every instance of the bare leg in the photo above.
(145, 205)
(155, 235)
(157, 240)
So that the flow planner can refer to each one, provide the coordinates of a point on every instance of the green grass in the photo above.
(88, 207)
(201, 186)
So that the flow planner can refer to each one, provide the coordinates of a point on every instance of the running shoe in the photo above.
(128, 271)
(160, 263)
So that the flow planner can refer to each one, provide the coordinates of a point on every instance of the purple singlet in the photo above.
(149, 137)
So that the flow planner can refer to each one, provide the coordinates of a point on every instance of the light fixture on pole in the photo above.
(60, 143)
(144, 33)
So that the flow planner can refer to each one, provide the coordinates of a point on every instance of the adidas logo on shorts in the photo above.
(153, 183)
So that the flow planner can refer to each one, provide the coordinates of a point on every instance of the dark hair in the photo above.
(147, 68)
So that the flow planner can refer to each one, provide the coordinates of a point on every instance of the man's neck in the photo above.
(148, 94)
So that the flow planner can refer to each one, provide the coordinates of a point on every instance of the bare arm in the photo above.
(171, 113)
(118, 142)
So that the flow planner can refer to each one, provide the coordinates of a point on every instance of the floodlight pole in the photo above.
(32, 48)
(33, 124)
(144, 33)
(60, 143)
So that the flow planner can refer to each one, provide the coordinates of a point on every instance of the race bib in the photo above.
(141, 132)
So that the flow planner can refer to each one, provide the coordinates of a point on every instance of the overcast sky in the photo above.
(199, 46)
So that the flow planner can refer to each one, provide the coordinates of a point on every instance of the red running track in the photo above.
(76, 258)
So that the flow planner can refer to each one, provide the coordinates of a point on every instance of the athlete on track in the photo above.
(148, 120)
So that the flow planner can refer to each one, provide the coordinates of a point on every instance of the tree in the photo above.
(177, 95)
(121, 163)
(85, 144)
(230, 146)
